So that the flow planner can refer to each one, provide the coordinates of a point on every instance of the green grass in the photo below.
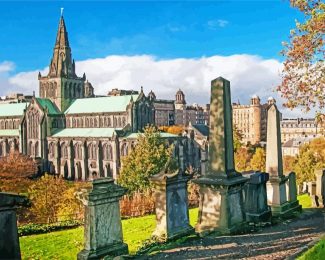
(316, 252)
(66, 244)
(304, 201)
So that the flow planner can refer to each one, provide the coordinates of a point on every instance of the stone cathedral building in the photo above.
(69, 130)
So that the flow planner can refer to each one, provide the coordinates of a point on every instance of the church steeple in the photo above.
(61, 62)
(61, 85)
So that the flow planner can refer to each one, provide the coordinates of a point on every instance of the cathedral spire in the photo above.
(62, 63)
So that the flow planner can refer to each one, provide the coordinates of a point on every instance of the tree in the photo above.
(238, 138)
(45, 195)
(147, 158)
(257, 163)
(242, 158)
(303, 75)
(17, 165)
(311, 157)
(288, 163)
(174, 129)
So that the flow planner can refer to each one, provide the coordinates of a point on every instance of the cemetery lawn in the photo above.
(316, 252)
(67, 243)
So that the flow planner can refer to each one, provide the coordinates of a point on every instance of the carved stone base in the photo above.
(221, 205)
(110, 251)
(261, 217)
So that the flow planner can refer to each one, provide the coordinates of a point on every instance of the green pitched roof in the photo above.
(9, 132)
(100, 104)
(16, 109)
(84, 132)
(162, 135)
(46, 103)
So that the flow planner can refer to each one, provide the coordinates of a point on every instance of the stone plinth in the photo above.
(221, 187)
(171, 198)
(292, 192)
(255, 198)
(320, 186)
(103, 227)
(276, 186)
(9, 240)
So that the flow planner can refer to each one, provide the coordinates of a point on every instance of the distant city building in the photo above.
(121, 92)
(291, 147)
(251, 119)
(15, 98)
(300, 128)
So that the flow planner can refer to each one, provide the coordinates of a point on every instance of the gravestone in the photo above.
(221, 205)
(103, 227)
(304, 187)
(291, 186)
(9, 241)
(315, 200)
(320, 186)
(256, 207)
(276, 186)
(171, 201)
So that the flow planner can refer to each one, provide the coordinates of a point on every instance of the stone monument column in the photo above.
(103, 228)
(221, 187)
(276, 186)
(9, 240)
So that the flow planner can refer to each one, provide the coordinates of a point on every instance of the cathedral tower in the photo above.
(62, 85)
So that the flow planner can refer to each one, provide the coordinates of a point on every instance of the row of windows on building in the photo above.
(9, 124)
(96, 122)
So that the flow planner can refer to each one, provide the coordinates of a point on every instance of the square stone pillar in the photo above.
(320, 186)
(9, 240)
(291, 186)
(256, 207)
(171, 199)
(103, 228)
(221, 205)
(276, 186)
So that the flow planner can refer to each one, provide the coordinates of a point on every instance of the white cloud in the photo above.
(248, 75)
(214, 24)
(6, 66)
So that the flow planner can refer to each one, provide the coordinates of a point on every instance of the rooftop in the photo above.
(16, 109)
(100, 104)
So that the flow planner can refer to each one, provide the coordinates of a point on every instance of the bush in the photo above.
(137, 204)
(32, 229)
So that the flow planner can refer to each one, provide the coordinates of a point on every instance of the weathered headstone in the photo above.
(221, 188)
(103, 228)
(315, 200)
(320, 186)
(171, 198)
(276, 186)
(291, 186)
(9, 241)
(256, 207)
(304, 187)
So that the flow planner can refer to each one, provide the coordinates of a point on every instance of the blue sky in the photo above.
(163, 29)
(162, 46)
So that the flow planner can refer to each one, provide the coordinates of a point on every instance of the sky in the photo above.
(162, 46)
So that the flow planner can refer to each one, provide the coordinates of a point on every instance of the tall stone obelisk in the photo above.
(276, 186)
(221, 200)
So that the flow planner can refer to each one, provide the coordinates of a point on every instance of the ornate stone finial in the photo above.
(62, 11)
(141, 89)
(39, 75)
(84, 76)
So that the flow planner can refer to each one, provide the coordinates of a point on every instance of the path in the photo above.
(273, 242)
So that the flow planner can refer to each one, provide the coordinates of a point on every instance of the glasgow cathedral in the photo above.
(67, 129)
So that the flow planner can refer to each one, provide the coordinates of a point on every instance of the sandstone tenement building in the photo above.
(69, 130)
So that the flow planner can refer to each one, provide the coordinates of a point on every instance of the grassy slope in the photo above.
(316, 252)
(66, 244)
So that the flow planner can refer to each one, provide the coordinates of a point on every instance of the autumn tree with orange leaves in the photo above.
(303, 75)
